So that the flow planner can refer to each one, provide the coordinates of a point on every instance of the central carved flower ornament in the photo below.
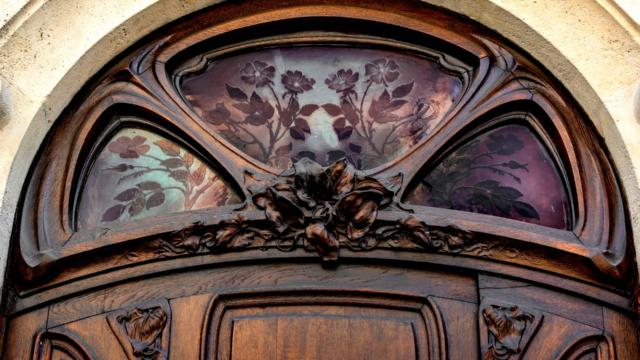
(318, 208)
(321, 204)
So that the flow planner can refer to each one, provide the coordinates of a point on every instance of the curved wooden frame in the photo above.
(49, 251)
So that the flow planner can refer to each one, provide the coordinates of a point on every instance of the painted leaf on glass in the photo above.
(504, 172)
(369, 106)
(140, 174)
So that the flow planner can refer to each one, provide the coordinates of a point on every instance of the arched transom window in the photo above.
(325, 131)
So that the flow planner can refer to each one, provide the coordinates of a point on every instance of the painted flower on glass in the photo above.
(343, 80)
(257, 110)
(382, 71)
(258, 73)
(296, 83)
(218, 115)
(129, 148)
(149, 175)
(369, 109)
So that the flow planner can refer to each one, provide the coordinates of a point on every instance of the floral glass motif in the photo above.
(322, 103)
(140, 174)
(504, 172)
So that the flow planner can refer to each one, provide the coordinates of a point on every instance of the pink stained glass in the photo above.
(140, 174)
(324, 103)
(504, 172)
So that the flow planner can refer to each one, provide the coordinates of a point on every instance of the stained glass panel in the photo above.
(503, 172)
(323, 103)
(140, 174)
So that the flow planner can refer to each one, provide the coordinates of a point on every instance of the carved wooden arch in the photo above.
(497, 80)
(598, 347)
(53, 345)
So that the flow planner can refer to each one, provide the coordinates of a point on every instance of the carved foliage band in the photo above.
(320, 209)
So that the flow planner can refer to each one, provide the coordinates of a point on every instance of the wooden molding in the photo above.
(496, 79)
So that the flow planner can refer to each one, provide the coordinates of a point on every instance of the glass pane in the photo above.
(324, 103)
(140, 174)
(503, 172)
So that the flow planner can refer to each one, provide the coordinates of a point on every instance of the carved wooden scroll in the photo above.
(506, 329)
(143, 332)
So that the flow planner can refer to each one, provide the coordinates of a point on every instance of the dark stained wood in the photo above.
(97, 337)
(322, 338)
(21, 333)
(497, 80)
(265, 277)
(187, 313)
(281, 278)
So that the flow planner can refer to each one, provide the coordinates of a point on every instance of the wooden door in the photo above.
(301, 311)
(318, 180)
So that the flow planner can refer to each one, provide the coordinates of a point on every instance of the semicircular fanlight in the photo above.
(140, 174)
(321, 102)
(506, 172)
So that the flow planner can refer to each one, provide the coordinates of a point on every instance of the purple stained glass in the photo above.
(322, 102)
(140, 174)
(504, 172)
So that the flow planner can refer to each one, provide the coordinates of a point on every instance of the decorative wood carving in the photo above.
(143, 331)
(65, 275)
(320, 209)
(53, 345)
(142, 90)
(509, 329)
(597, 347)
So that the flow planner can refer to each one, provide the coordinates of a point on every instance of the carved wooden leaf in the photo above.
(143, 331)
(506, 329)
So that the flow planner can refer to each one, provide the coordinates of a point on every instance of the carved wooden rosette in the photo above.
(319, 209)
(506, 329)
(144, 331)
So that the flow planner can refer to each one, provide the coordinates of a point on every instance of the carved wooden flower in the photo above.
(506, 327)
(322, 204)
(144, 329)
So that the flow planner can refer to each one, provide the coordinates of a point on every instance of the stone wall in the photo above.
(50, 48)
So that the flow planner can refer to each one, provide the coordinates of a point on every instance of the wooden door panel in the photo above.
(94, 335)
(21, 333)
(559, 338)
(352, 312)
(625, 332)
(188, 314)
(321, 338)
(549, 324)
(549, 301)
(59, 346)
(324, 325)
(460, 326)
